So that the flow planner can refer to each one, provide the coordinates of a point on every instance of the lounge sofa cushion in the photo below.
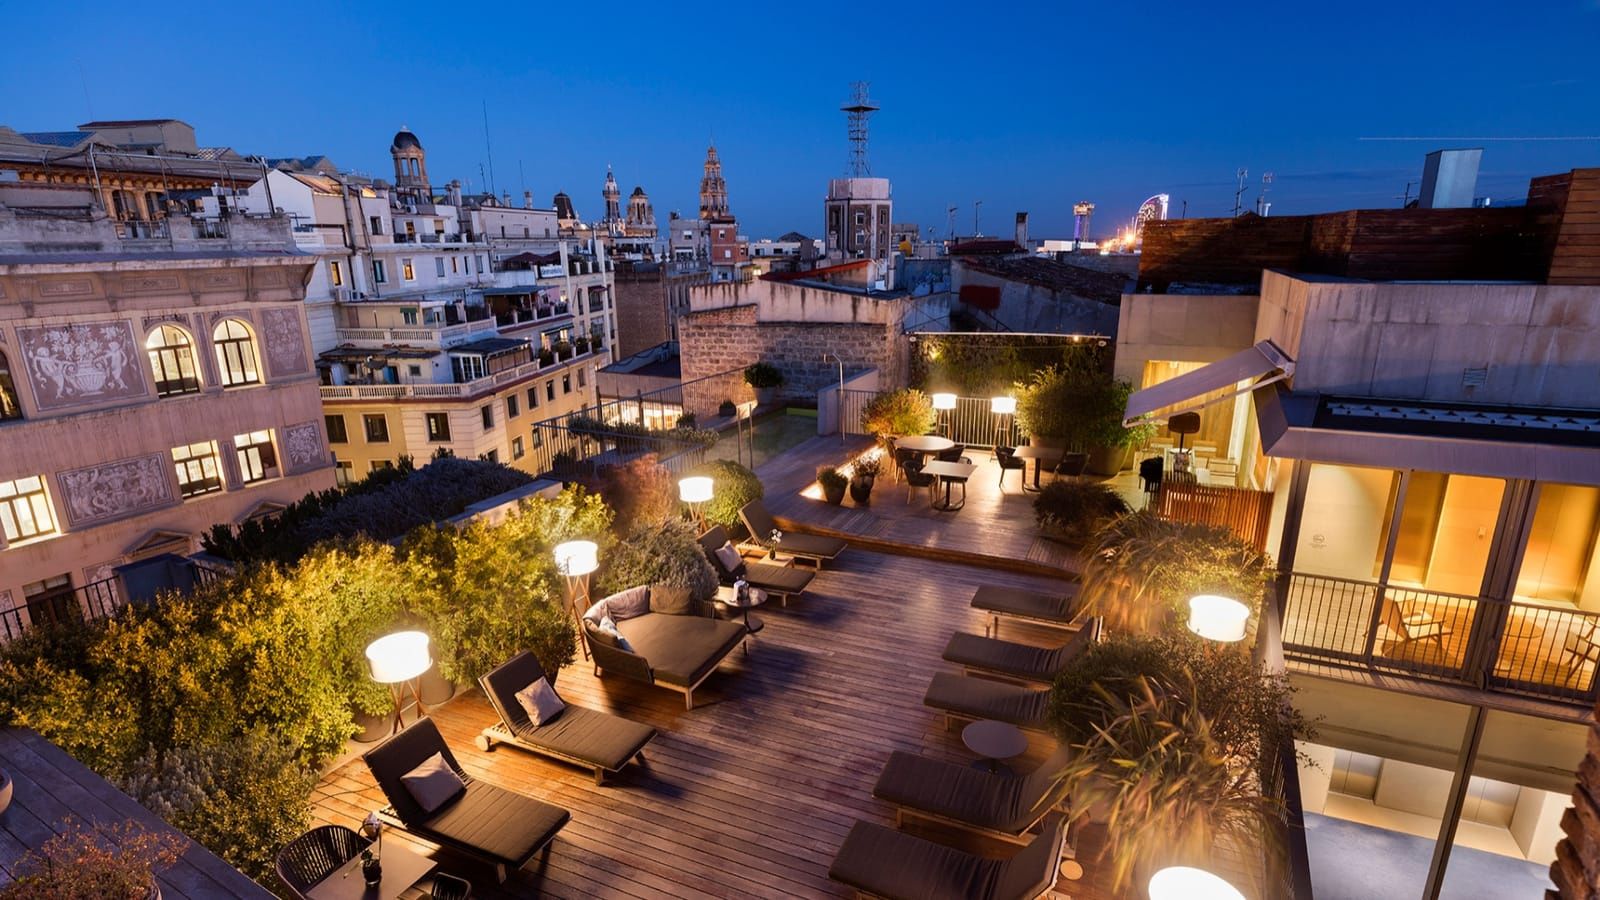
(671, 600)
(623, 605)
(592, 629)
(540, 702)
(608, 627)
(982, 698)
(681, 649)
(499, 822)
(433, 783)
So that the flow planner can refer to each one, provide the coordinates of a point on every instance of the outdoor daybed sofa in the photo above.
(583, 737)
(662, 638)
(501, 827)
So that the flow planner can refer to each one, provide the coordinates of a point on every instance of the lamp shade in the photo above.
(1186, 883)
(944, 401)
(399, 657)
(576, 558)
(1003, 405)
(694, 489)
(1218, 618)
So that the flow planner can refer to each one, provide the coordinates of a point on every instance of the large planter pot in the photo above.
(834, 495)
(861, 489)
(434, 687)
(766, 396)
(1109, 460)
(1052, 443)
(373, 728)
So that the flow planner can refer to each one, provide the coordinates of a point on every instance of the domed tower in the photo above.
(713, 190)
(641, 216)
(410, 164)
(613, 196)
(564, 211)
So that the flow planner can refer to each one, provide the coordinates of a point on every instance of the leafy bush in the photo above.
(107, 861)
(640, 490)
(831, 479)
(242, 799)
(1078, 404)
(1077, 510)
(1143, 569)
(762, 375)
(899, 412)
(687, 420)
(657, 554)
(386, 505)
(732, 486)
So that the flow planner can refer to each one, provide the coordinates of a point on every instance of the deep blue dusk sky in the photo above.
(1025, 107)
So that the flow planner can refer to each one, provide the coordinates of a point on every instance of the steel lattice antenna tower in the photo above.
(859, 108)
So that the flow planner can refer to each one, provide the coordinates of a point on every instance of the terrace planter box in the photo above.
(1109, 460)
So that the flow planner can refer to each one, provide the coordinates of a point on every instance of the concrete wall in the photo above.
(1182, 328)
(779, 301)
(1032, 308)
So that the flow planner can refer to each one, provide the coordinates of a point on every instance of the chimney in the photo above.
(527, 199)
(1022, 230)
(1449, 179)
(505, 199)
(455, 192)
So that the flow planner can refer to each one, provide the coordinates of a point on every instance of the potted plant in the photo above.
(1110, 443)
(765, 379)
(833, 484)
(1075, 511)
(900, 412)
(864, 474)
(547, 356)
(727, 409)
(1046, 411)
(108, 862)
(563, 350)
(582, 345)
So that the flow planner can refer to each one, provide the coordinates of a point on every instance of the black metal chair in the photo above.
(916, 478)
(1150, 475)
(903, 458)
(1072, 464)
(1006, 457)
(449, 887)
(953, 454)
(315, 855)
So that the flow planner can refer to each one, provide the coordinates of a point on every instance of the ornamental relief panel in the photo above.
(150, 284)
(303, 447)
(71, 365)
(285, 343)
(115, 489)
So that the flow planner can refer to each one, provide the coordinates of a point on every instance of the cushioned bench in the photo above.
(967, 697)
(677, 651)
(501, 827)
(812, 547)
(887, 863)
(584, 737)
(1053, 609)
(1012, 660)
(955, 793)
(777, 580)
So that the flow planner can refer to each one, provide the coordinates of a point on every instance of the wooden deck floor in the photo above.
(751, 793)
(996, 526)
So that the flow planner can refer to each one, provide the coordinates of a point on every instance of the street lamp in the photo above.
(398, 660)
(1218, 618)
(695, 491)
(575, 560)
(1188, 883)
(1002, 407)
(942, 404)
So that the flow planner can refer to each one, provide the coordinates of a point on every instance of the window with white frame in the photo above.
(257, 459)
(172, 361)
(236, 353)
(199, 468)
(25, 509)
(438, 266)
(408, 272)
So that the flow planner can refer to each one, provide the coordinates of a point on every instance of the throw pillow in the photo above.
(599, 610)
(730, 558)
(433, 784)
(629, 604)
(609, 627)
(593, 630)
(671, 600)
(540, 702)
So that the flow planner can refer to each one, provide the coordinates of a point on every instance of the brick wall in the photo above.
(1576, 870)
(641, 311)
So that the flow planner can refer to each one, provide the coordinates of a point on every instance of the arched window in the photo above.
(236, 353)
(172, 361)
(10, 407)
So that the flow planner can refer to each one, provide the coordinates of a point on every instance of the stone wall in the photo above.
(1576, 871)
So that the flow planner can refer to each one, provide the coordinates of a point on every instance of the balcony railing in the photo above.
(95, 600)
(423, 335)
(446, 391)
(1510, 646)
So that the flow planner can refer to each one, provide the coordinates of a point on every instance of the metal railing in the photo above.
(972, 422)
(95, 600)
(570, 454)
(455, 390)
(1512, 646)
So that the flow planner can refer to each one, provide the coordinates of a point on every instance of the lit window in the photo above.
(438, 426)
(377, 428)
(335, 273)
(341, 473)
(517, 451)
(10, 407)
(236, 353)
(257, 460)
(25, 509)
(172, 361)
(199, 468)
(407, 271)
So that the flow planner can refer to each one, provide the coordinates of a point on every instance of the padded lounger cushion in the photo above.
(681, 649)
(1028, 604)
(982, 698)
(596, 738)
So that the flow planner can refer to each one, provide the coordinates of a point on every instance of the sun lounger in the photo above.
(777, 580)
(1057, 609)
(883, 862)
(501, 827)
(1002, 805)
(1009, 659)
(968, 697)
(583, 737)
(814, 548)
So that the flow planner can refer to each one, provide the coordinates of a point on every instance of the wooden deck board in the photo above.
(751, 793)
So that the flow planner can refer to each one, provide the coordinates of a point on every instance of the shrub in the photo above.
(1143, 569)
(386, 505)
(868, 466)
(727, 408)
(732, 486)
(105, 862)
(687, 420)
(831, 479)
(640, 490)
(762, 375)
(899, 412)
(242, 799)
(1077, 510)
(661, 554)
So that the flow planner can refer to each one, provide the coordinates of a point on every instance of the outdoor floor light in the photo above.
(575, 560)
(1186, 883)
(695, 491)
(1218, 618)
(1002, 407)
(942, 404)
(398, 660)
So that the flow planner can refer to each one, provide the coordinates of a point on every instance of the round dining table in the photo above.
(924, 443)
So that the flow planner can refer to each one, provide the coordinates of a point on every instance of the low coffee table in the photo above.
(402, 868)
(753, 598)
(994, 741)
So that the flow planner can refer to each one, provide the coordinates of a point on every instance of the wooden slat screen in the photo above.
(1244, 512)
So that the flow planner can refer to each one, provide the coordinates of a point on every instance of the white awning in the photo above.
(1263, 361)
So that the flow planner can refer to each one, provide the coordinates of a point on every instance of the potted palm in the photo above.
(862, 477)
(108, 862)
(833, 484)
(765, 379)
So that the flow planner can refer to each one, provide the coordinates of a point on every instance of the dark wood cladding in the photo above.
(1554, 238)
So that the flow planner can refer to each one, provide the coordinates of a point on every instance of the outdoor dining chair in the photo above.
(313, 856)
